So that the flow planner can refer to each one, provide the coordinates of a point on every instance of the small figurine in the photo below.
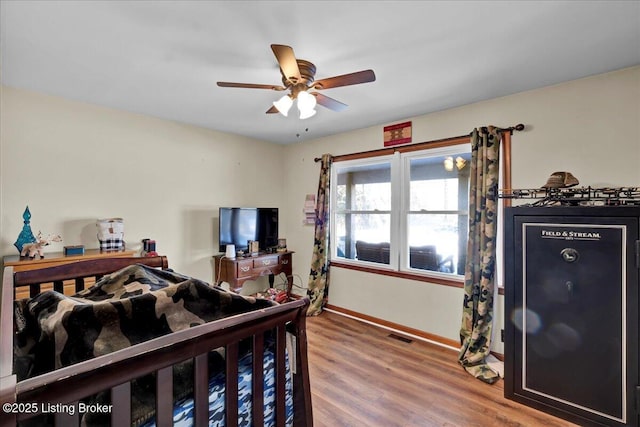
(33, 249)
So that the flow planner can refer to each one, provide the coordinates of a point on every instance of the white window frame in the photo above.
(505, 185)
(450, 150)
(400, 180)
(392, 160)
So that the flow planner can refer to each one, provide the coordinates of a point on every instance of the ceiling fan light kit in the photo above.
(298, 77)
(306, 105)
(283, 105)
(307, 114)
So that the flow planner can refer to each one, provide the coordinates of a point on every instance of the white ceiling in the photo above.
(163, 58)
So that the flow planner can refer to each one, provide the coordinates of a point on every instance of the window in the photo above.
(404, 212)
(362, 199)
(437, 211)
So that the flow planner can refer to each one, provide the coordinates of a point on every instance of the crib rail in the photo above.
(66, 386)
(79, 272)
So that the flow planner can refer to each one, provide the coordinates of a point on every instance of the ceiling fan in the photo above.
(298, 78)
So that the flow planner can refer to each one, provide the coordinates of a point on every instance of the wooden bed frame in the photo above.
(114, 371)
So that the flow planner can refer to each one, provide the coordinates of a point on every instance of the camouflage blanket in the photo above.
(122, 309)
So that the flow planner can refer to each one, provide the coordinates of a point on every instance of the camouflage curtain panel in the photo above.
(319, 275)
(477, 313)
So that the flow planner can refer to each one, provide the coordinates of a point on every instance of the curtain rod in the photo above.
(519, 127)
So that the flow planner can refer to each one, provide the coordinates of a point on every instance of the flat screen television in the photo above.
(239, 225)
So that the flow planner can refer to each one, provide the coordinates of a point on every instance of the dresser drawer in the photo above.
(265, 261)
(244, 268)
(285, 260)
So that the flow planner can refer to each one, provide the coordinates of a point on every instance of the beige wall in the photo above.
(73, 163)
(590, 127)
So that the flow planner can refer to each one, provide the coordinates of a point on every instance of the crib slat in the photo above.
(257, 383)
(280, 376)
(201, 390)
(121, 405)
(164, 397)
(231, 385)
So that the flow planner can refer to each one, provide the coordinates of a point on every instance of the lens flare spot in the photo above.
(526, 320)
(564, 336)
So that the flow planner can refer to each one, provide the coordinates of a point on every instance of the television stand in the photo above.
(237, 271)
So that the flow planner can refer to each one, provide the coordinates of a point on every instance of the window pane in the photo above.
(365, 187)
(436, 242)
(368, 197)
(437, 222)
(366, 228)
(434, 195)
(435, 183)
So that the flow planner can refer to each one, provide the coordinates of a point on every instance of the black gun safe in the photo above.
(571, 312)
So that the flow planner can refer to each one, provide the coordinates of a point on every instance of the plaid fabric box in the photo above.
(111, 244)
(111, 233)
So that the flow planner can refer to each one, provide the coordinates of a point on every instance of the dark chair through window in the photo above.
(427, 258)
(420, 257)
(372, 252)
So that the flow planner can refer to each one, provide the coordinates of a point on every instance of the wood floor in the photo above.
(362, 377)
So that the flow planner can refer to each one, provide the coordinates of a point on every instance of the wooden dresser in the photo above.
(58, 258)
(238, 270)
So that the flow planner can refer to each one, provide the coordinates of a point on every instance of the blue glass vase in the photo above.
(26, 236)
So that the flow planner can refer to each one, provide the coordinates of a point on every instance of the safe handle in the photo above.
(569, 255)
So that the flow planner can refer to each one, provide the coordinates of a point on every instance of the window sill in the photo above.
(454, 282)
(458, 283)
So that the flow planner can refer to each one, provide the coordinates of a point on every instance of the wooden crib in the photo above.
(64, 389)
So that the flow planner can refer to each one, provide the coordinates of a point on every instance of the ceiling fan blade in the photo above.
(288, 63)
(329, 103)
(358, 77)
(250, 86)
(272, 110)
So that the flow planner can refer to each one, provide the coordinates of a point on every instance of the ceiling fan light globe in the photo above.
(306, 101)
(284, 105)
(306, 114)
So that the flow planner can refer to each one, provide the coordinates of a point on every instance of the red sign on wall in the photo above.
(397, 134)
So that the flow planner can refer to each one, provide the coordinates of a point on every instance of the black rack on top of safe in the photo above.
(576, 196)
(572, 261)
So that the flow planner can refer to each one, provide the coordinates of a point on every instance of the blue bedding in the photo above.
(183, 409)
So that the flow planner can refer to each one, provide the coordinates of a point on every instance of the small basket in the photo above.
(111, 234)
